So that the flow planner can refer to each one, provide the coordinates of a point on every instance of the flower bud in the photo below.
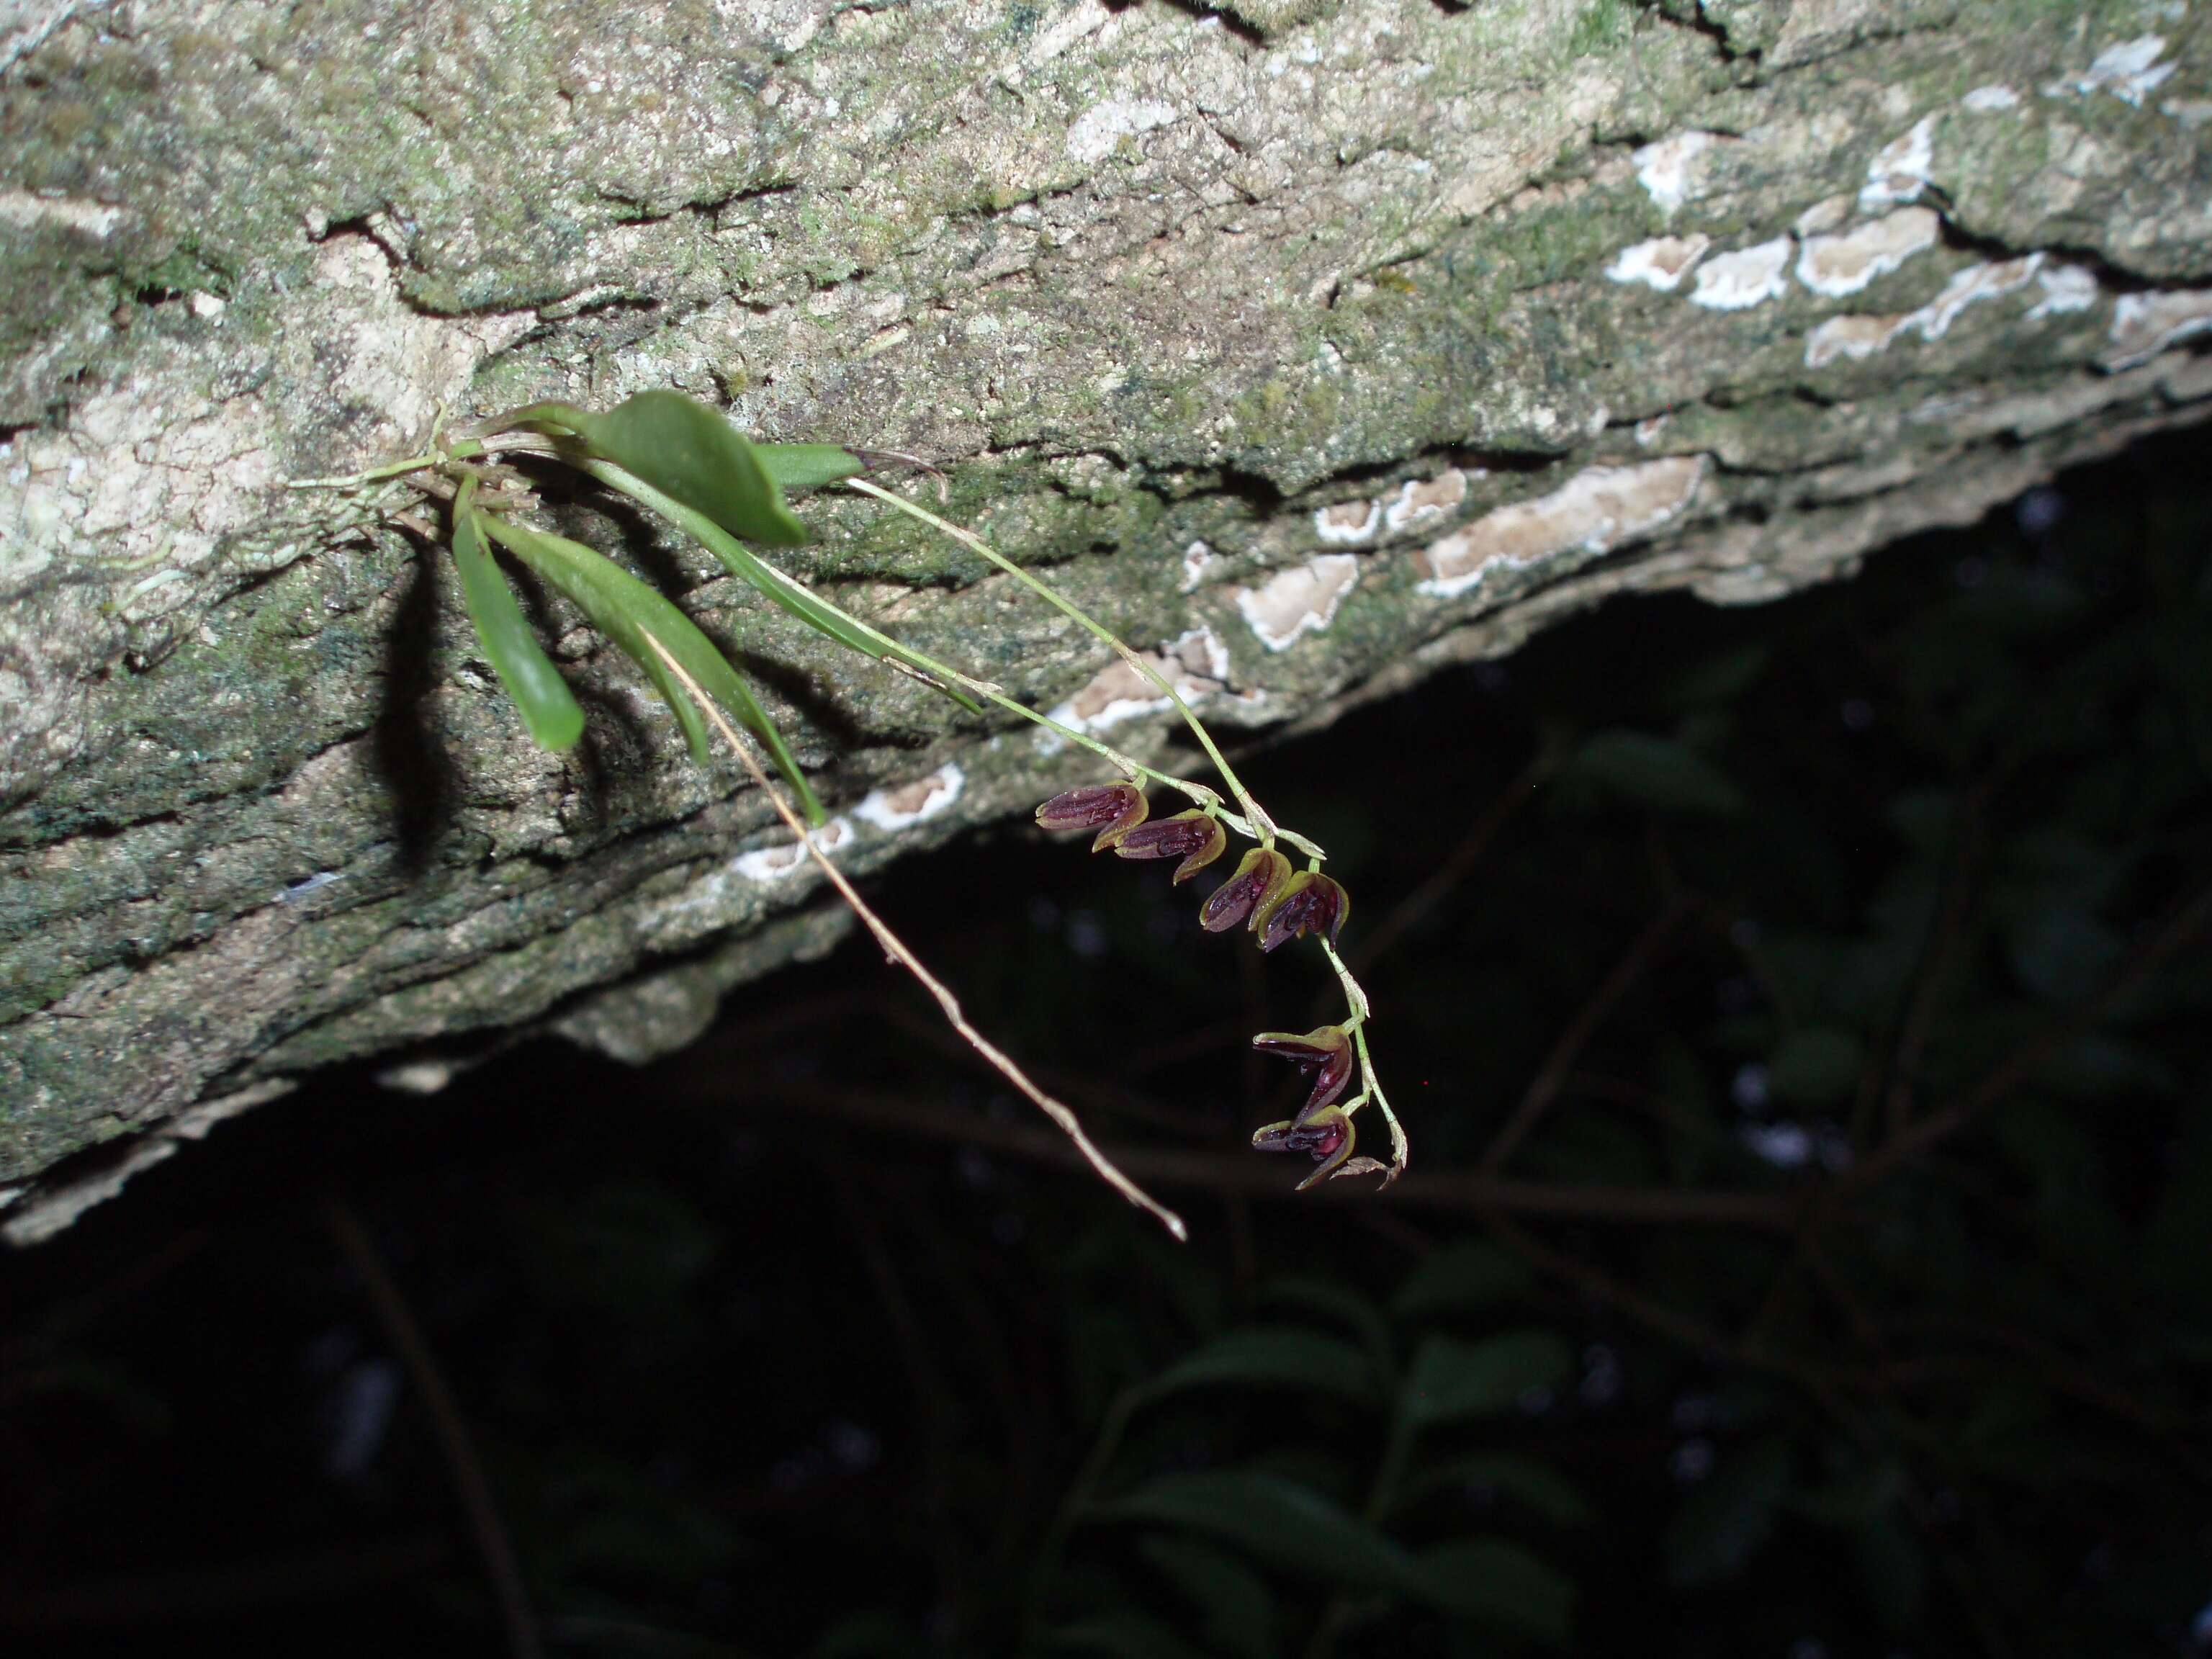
(1326, 1137)
(1112, 809)
(1192, 837)
(1309, 902)
(1327, 1052)
(1263, 874)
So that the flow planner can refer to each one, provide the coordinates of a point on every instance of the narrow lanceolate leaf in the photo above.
(764, 578)
(1272, 1356)
(688, 452)
(808, 467)
(626, 611)
(549, 709)
(1276, 1521)
(1452, 1379)
(1497, 1474)
(1499, 1584)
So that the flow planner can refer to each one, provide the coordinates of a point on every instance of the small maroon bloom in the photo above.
(1192, 837)
(1264, 873)
(1309, 903)
(1326, 1052)
(1326, 1137)
(1112, 809)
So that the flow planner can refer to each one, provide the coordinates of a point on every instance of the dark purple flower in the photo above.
(1112, 809)
(1264, 873)
(1326, 1137)
(1327, 1052)
(1309, 903)
(1192, 837)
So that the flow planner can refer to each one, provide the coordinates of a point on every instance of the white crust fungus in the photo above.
(2144, 324)
(1901, 169)
(1596, 510)
(1299, 601)
(1852, 259)
(1661, 263)
(1747, 277)
(909, 804)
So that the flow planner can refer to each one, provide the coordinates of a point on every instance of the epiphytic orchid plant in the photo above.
(683, 461)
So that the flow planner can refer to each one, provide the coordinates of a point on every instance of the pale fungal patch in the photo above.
(1302, 600)
(26, 211)
(1900, 170)
(1989, 99)
(1862, 337)
(1661, 263)
(1198, 561)
(1100, 128)
(1850, 261)
(1970, 287)
(1829, 213)
(1422, 500)
(1849, 336)
(781, 863)
(1596, 511)
(908, 804)
(1348, 524)
(2130, 71)
(2065, 288)
(2144, 324)
(1670, 169)
(1196, 663)
(1747, 277)
(50, 1211)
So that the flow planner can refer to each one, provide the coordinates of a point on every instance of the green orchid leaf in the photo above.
(808, 467)
(548, 708)
(782, 590)
(1467, 1278)
(1500, 1584)
(1276, 1521)
(1506, 1474)
(690, 453)
(1235, 1608)
(687, 463)
(1120, 1633)
(1452, 1379)
(1273, 1356)
(1726, 1515)
(628, 611)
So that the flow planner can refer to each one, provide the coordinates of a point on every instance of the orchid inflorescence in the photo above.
(1276, 904)
(683, 461)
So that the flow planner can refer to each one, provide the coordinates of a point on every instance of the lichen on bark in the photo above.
(1313, 344)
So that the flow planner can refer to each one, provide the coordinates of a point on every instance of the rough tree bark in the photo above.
(1323, 343)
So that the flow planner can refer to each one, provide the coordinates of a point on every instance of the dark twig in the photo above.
(1927, 994)
(1372, 943)
(462, 1463)
(1465, 1191)
(1544, 1088)
(2177, 934)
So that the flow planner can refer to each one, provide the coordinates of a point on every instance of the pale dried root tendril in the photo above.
(895, 948)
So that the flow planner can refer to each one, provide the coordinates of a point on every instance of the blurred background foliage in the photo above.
(1801, 1013)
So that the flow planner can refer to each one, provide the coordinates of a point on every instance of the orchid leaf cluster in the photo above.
(685, 463)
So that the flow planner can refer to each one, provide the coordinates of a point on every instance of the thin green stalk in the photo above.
(1355, 996)
(1264, 826)
(468, 449)
(762, 575)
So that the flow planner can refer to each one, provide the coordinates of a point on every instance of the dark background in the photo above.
(1851, 1294)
